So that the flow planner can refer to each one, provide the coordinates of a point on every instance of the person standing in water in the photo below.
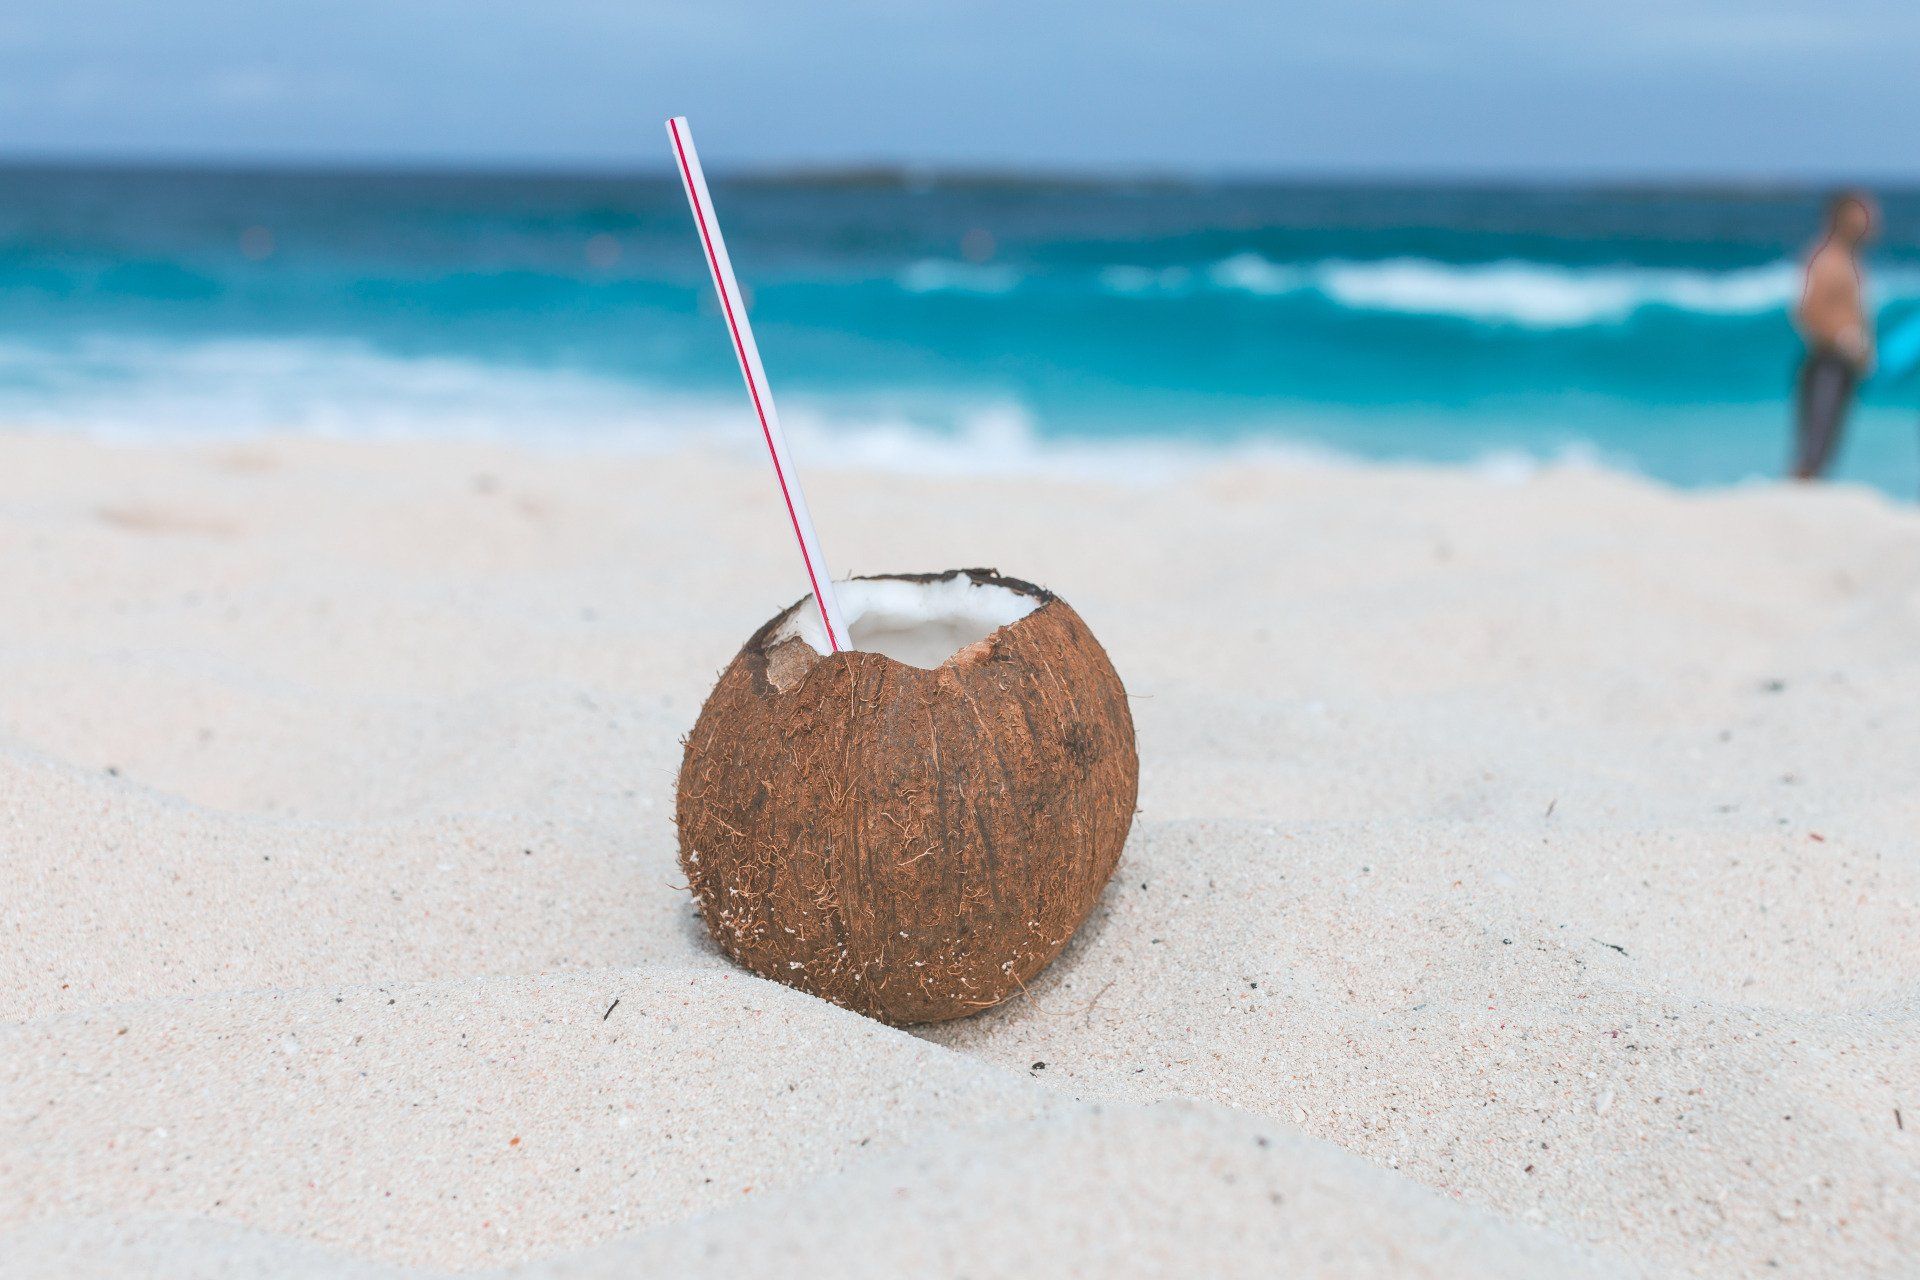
(1832, 321)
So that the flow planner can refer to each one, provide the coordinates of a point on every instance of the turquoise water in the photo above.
(928, 319)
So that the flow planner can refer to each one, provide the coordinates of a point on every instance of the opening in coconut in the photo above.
(921, 622)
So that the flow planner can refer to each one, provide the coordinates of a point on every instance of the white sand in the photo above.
(1527, 882)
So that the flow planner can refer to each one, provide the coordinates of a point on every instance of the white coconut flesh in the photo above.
(919, 623)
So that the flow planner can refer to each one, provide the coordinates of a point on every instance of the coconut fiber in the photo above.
(912, 844)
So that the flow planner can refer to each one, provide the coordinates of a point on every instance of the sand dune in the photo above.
(1525, 881)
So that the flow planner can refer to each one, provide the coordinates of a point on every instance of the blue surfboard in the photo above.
(1899, 352)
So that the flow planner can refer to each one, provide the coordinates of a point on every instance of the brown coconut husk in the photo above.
(912, 844)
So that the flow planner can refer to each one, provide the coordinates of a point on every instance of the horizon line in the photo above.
(909, 174)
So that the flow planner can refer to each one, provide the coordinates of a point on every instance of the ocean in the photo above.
(918, 320)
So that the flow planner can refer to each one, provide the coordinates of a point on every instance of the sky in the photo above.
(1744, 90)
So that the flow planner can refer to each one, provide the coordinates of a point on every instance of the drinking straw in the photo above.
(748, 352)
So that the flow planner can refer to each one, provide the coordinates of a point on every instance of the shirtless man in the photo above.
(1833, 323)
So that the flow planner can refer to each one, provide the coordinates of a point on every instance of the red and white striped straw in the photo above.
(735, 310)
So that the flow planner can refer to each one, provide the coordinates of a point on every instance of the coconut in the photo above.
(912, 828)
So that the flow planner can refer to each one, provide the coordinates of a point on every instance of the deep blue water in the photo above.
(1647, 327)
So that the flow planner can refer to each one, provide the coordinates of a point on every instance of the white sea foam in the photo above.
(1532, 294)
(144, 390)
(1549, 297)
(1252, 273)
(939, 275)
(1521, 293)
(1514, 292)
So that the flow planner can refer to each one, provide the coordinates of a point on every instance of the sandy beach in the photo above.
(1525, 880)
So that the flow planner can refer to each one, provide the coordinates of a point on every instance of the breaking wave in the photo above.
(143, 390)
(936, 275)
(1533, 294)
(1515, 292)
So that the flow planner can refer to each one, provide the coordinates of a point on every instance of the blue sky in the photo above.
(1706, 88)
